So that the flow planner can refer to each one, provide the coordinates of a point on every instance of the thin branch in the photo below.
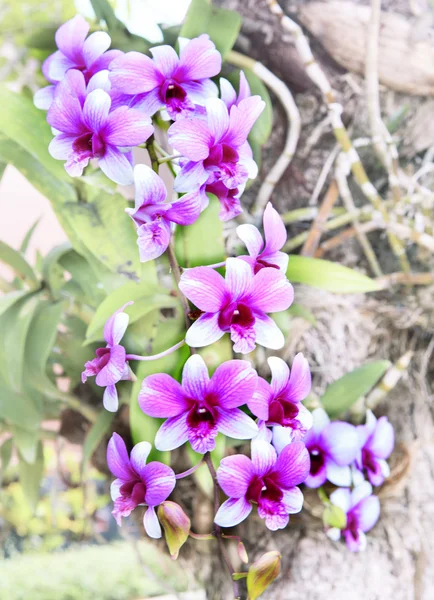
(176, 271)
(313, 239)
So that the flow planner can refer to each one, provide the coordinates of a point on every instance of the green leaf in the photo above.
(18, 263)
(146, 299)
(10, 299)
(343, 393)
(82, 275)
(39, 343)
(95, 436)
(27, 442)
(52, 272)
(298, 310)
(328, 276)
(5, 455)
(222, 26)
(28, 236)
(201, 243)
(334, 516)
(31, 475)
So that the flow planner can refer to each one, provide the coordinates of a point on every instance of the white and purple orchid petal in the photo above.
(242, 119)
(246, 160)
(252, 239)
(159, 480)
(191, 137)
(59, 64)
(127, 127)
(360, 492)
(239, 277)
(371, 422)
(117, 165)
(317, 479)
(259, 402)
(172, 433)
(264, 433)
(367, 512)
(279, 259)
(65, 113)
(195, 377)
(357, 474)
(95, 45)
(236, 424)
(191, 177)
(274, 519)
(271, 291)
(162, 396)
(149, 187)
(117, 458)
(199, 91)
(99, 81)
(274, 229)
(227, 92)
(187, 209)
(74, 84)
(264, 457)
(356, 540)
(96, 109)
(244, 88)
(138, 457)
(148, 103)
(279, 374)
(233, 383)
(153, 239)
(292, 465)
(113, 370)
(382, 440)
(293, 500)
(70, 37)
(204, 287)
(235, 474)
(165, 59)
(115, 487)
(151, 523)
(103, 62)
(337, 474)
(218, 118)
(232, 512)
(320, 420)
(116, 325)
(74, 165)
(61, 146)
(300, 380)
(340, 441)
(110, 399)
(282, 436)
(342, 499)
(244, 338)
(267, 332)
(134, 73)
(305, 418)
(198, 59)
(334, 534)
(44, 97)
(205, 331)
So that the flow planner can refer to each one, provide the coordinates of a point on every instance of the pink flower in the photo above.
(218, 157)
(202, 406)
(279, 403)
(110, 365)
(228, 93)
(376, 444)
(166, 80)
(138, 483)
(153, 215)
(267, 480)
(75, 52)
(237, 305)
(275, 238)
(362, 511)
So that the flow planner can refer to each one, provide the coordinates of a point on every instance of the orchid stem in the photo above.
(189, 471)
(152, 153)
(156, 356)
(202, 536)
(176, 270)
(214, 266)
(218, 531)
(168, 158)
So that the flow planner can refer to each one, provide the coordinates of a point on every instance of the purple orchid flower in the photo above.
(153, 215)
(279, 404)
(377, 440)
(138, 483)
(362, 510)
(228, 93)
(275, 238)
(201, 407)
(267, 480)
(87, 128)
(166, 80)
(218, 158)
(332, 447)
(110, 365)
(74, 52)
(236, 305)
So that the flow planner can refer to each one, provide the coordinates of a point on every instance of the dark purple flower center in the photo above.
(236, 313)
(222, 156)
(352, 526)
(264, 488)
(202, 412)
(369, 461)
(134, 491)
(173, 95)
(89, 145)
(283, 413)
(316, 460)
(262, 264)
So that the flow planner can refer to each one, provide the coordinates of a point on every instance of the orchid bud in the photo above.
(262, 573)
(176, 525)
(242, 552)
